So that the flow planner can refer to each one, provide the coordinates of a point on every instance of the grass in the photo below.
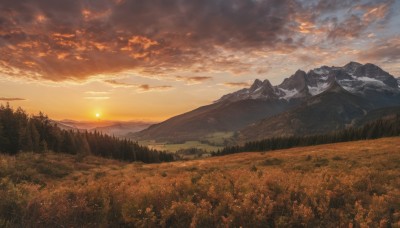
(175, 147)
(210, 143)
(337, 185)
(219, 138)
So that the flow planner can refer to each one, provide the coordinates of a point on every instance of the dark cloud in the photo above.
(73, 40)
(193, 79)
(237, 84)
(359, 18)
(146, 88)
(139, 87)
(11, 99)
(59, 39)
(384, 50)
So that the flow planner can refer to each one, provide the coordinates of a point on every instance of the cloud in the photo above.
(115, 83)
(148, 88)
(139, 87)
(11, 99)
(383, 50)
(236, 84)
(61, 40)
(97, 92)
(359, 18)
(193, 79)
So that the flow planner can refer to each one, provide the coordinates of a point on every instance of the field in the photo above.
(181, 146)
(210, 143)
(355, 184)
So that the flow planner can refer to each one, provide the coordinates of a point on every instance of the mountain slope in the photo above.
(321, 100)
(331, 110)
(116, 128)
(217, 117)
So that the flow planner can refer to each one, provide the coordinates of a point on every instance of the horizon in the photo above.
(74, 60)
(98, 119)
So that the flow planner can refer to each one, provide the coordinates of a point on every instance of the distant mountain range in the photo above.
(116, 128)
(319, 101)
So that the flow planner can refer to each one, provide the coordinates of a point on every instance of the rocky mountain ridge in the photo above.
(353, 77)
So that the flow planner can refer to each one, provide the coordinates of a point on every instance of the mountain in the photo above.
(333, 109)
(217, 117)
(120, 129)
(364, 80)
(116, 128)
(321, 100)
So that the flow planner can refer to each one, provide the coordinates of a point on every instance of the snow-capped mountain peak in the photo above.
(353, 77)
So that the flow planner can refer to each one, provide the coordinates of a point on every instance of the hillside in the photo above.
(337, 185)
(217, 117)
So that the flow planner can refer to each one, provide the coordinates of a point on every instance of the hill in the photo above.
(116, 128)
(217, 117)
(352, 184)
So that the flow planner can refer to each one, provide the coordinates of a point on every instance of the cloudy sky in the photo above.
(152, 59)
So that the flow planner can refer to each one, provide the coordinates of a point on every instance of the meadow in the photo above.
(210, 143)
(174, 147)
(353, 184)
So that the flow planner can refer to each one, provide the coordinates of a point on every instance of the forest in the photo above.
(37, 133)
(386, 127)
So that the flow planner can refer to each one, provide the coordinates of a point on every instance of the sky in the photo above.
(153, 59)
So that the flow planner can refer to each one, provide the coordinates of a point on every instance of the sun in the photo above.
(97, 115)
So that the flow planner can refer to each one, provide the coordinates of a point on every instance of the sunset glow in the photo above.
(67, 58)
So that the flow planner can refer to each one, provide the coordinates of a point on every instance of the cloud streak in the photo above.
(236, 84)
(11, 99)
(139, 87)
(193, 79)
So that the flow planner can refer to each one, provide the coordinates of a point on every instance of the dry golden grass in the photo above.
(355, 184)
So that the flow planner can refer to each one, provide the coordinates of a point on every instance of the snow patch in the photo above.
(324, 78)
(367, 79)
(288, 93)
(320, 71)
(318, 89)
(349, 88)
(258, 89)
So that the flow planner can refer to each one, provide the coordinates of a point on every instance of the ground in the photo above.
(346, 184)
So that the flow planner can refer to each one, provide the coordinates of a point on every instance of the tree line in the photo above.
(37, 133)
(386, 127)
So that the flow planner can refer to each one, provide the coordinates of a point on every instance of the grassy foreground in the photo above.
(354, 184)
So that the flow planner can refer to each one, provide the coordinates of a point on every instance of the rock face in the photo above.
(319, 101)
(354, 77)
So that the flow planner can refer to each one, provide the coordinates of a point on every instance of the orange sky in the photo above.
(131, 59)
